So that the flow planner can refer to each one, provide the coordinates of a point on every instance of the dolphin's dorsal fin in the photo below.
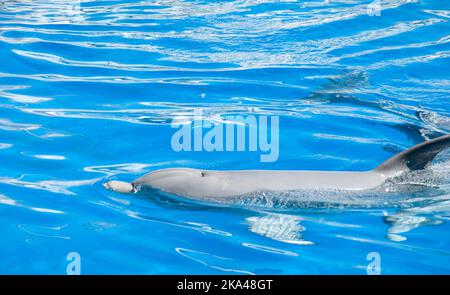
(416, 158)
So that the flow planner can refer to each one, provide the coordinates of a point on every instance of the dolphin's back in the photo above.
(247, 181)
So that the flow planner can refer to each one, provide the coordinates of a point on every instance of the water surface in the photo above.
(88, 90)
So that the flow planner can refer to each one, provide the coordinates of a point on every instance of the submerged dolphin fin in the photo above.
(416, 158)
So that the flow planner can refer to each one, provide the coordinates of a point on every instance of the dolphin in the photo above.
(202, 184)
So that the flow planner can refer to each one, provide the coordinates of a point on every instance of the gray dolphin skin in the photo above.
(204, 184)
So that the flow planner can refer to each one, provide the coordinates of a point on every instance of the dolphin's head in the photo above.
(185, 182)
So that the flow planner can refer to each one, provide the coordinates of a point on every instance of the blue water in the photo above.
(88, 90)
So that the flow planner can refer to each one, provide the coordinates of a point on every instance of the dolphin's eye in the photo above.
(202, 174)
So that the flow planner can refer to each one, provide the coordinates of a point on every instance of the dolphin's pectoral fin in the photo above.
(416, 158)
(120, 186)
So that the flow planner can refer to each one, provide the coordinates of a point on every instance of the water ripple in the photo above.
(92, 87)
